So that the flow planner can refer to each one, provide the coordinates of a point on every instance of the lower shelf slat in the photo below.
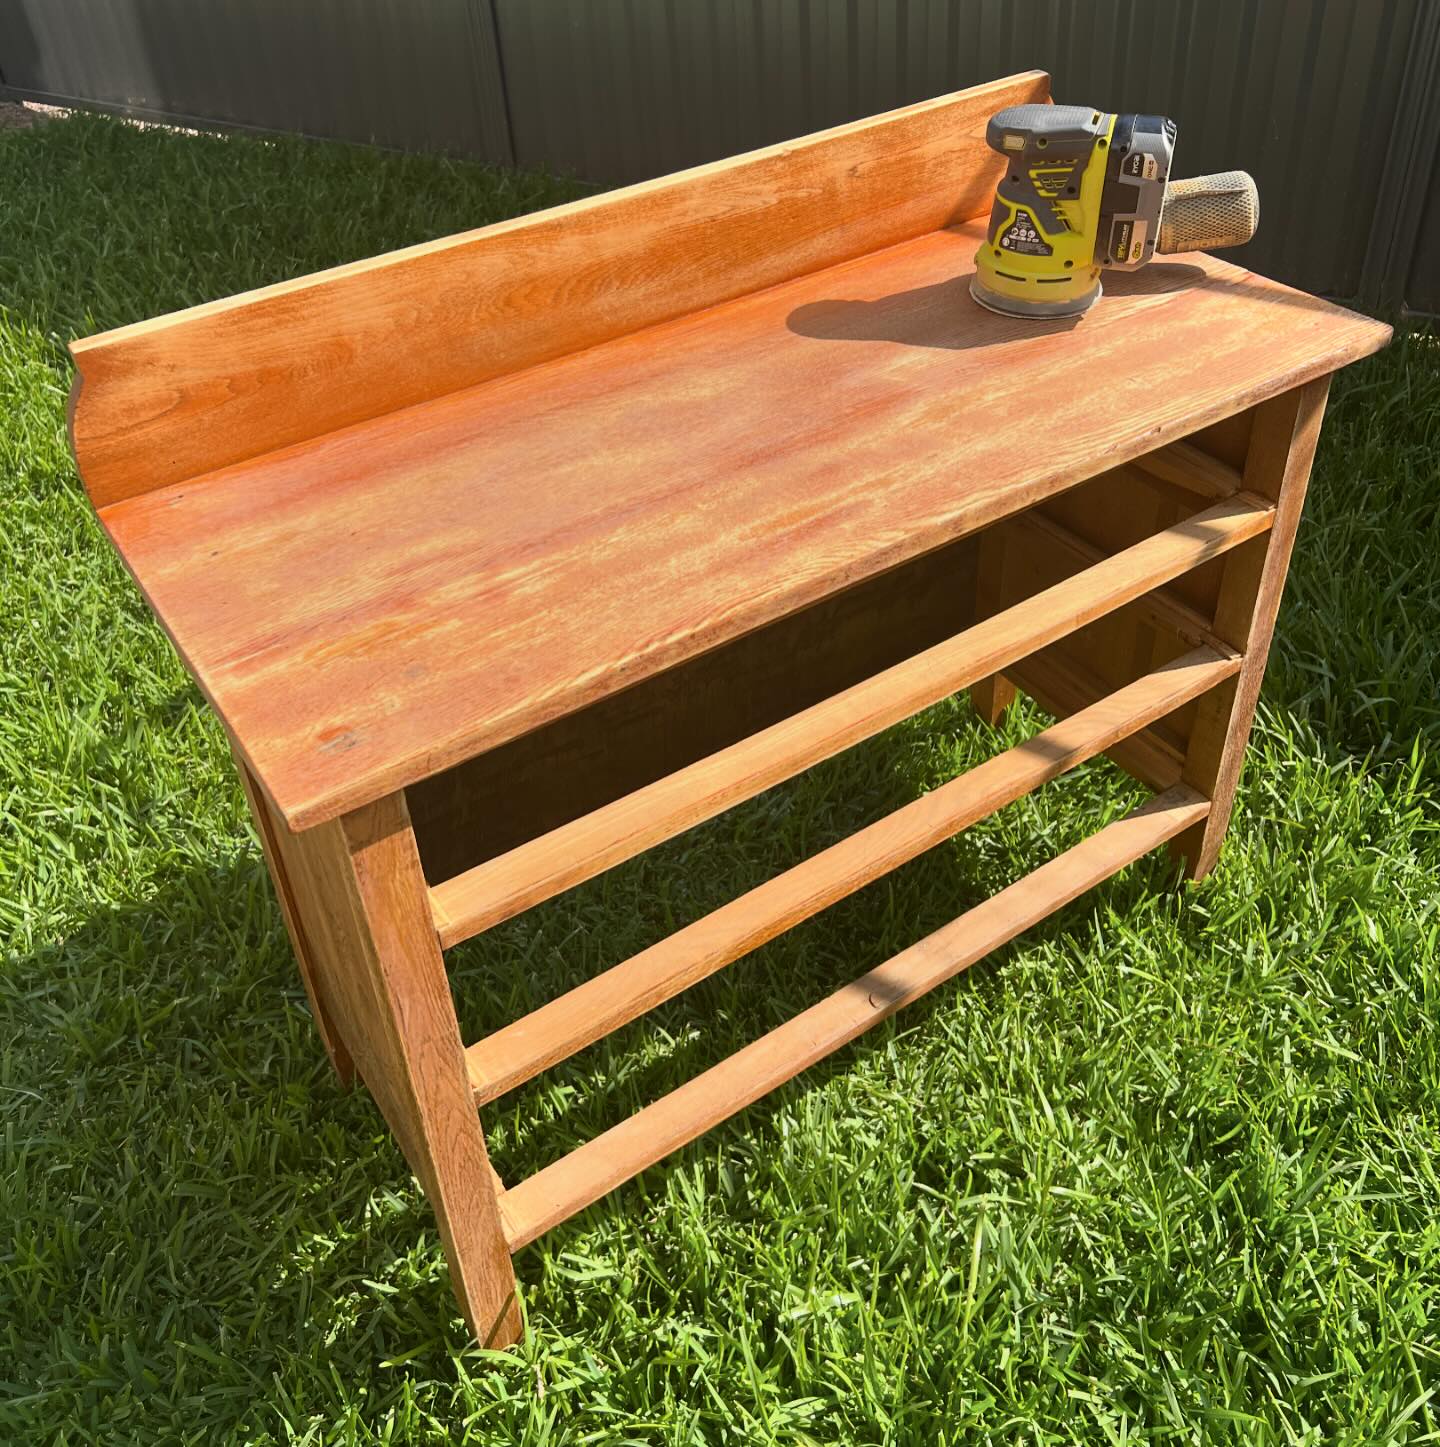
(592, 1010)
(533, 1206)
(502, 887)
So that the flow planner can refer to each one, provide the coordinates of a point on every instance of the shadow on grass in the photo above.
(520, 965)
(184, 1111)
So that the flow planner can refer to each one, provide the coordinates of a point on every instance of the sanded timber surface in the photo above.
(377, 604)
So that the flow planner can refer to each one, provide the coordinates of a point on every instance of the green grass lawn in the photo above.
(1165, 1171)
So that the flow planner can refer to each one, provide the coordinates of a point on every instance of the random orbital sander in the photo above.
(1084, 190)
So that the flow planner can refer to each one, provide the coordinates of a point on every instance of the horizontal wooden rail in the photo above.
(592, 1010)
(543, 1200)
(504, 886)
(1186, 466)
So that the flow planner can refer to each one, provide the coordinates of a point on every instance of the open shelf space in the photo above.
(574, 852)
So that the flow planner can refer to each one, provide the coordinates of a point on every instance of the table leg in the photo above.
(304, 951)
(361, 909)
(1277, 466)
(990, 697)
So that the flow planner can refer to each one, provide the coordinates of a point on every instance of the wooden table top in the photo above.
(387, 600)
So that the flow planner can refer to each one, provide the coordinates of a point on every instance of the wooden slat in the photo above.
(551, 1195)
(1064, 685)
(503, 887)
(603, 1004)
(1076, 529)
(1187, 466)
(166, 400)
(507, 796)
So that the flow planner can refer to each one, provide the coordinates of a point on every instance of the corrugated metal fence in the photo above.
(1334, 105)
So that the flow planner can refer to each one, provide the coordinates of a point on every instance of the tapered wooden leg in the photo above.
(376, 969)
(990, 697)
(304, 951)
(1277, 466)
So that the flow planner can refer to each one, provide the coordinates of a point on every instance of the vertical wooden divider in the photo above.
(1277, 466)
(990, 697)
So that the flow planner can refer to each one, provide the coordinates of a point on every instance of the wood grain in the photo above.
(1063, 687)
(551, 1195)
(1147, 633)
(604, 1003)
(1159, 606)
(1191, 468)
(1123, 644)
(553, 775)
(169, 399)
(1098, 517)
(375, 606)
(502, 887)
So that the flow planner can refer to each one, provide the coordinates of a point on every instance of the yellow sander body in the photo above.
(1084, 190)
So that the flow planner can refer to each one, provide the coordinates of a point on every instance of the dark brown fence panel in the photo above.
(1421, 290)
(1332, 104)
(1402, 262)
(1302, 94)
(413, 74)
